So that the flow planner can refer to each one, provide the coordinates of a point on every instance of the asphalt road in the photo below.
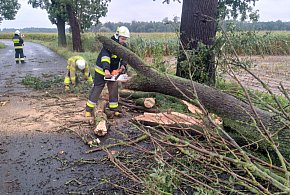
(39, 60)
(36, 155)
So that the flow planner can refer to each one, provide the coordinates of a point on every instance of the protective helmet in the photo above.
(123, 31)
(81, 64)
(17, 32)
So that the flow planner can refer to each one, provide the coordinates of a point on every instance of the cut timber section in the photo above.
(174, 118)
(146, 102)
(164, 118)
(195, 110)
(101, 128)
(101, 120)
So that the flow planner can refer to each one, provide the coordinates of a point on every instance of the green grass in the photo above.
(44, 82)
(152, 44)
(167, 103)
(2, 46)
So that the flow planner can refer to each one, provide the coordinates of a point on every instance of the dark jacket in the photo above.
(108, 61)
(18, 42)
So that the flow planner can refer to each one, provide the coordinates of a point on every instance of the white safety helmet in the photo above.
(81, 64)
(17, 32)
(122, 31)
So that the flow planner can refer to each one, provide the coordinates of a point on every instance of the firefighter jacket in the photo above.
(108, 61)
(18, 42)
(72, 68)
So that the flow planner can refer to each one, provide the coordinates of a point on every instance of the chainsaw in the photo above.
(120, 76)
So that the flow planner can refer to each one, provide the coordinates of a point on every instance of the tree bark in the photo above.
(235, 113)
(75, 29)
(136, 94)
(198, 24)
(61, 31)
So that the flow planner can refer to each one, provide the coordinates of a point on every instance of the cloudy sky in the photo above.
(140, 10)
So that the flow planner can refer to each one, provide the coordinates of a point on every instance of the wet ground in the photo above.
(40, 60)
(41, 147)
(274, 71)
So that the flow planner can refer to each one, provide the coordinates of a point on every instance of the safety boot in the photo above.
(66, 87)
(112, 112)
(88, 114)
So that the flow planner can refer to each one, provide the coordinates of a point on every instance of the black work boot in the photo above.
(111, 112)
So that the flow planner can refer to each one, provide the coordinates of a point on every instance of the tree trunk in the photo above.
(197, 25)
(75, 28)
(61, 31)
(235, 113)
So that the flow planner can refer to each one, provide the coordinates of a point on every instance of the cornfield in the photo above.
(166, 44)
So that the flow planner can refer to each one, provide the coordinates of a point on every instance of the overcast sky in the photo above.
(140, 10)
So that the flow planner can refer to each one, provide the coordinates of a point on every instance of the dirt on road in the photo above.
(272, 70)
(41, 146)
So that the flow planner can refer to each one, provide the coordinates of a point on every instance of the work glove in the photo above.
(107, 74)
(66, 88)
(123, 69)
(90, 82)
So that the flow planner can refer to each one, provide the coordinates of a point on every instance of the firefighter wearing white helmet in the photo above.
(18, 46)
(74, 64)
(122, 31)
(107, 65)
(81, 64)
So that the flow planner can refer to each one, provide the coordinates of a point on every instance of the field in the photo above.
(172, 159)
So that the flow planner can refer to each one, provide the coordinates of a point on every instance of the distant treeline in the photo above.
(30, 30)
(134, 26)
(165, 26)
(261, 26)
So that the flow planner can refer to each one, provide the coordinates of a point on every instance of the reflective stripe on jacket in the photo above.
(18, 42)
(72, 68)
(108, 61)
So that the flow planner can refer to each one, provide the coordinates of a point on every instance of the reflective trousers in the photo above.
(99, 84)
(19, 55)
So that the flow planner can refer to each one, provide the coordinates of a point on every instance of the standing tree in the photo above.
(198, 31)
(80, 14)
(8, 9)
(197, 34)
(56, 14)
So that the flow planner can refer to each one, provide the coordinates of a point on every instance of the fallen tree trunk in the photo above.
(235, 113)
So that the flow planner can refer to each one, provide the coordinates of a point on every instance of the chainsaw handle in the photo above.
(117, 76)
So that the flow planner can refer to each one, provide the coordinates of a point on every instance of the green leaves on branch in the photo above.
(88, 12)
(8, 9)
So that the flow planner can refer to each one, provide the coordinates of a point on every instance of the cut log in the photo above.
(192, 108)
(101, 128)
(165, 118)
(195, 110)
(136, 94)
(236, 114)
(137, 108)
(146, 102)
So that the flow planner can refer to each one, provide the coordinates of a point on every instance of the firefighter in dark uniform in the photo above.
(107, 65)
(18, 46)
